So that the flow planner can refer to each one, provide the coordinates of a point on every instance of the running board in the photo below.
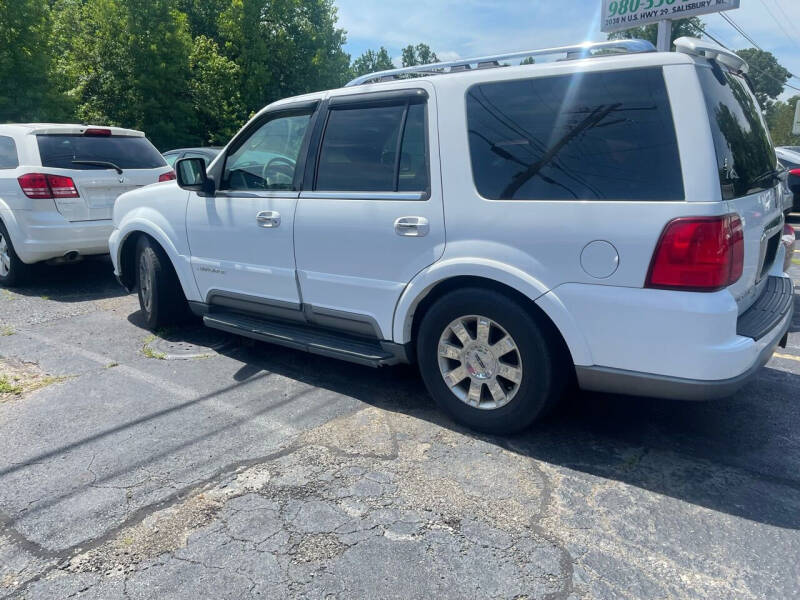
(303, 337)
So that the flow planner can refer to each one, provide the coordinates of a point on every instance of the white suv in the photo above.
(611, 217)
(58, 184)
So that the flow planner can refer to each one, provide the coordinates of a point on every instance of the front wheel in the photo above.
(488, 362)
(161, 297)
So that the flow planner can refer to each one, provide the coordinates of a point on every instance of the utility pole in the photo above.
(664, 36)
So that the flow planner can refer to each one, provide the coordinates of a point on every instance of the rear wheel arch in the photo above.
(446, 286)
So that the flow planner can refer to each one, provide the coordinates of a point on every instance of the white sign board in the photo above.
(624, 14)
(796, 124)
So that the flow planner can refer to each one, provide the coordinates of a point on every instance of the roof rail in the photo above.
(584, 50)
(711, 51)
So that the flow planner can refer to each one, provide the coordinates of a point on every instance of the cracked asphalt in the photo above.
(200, 465)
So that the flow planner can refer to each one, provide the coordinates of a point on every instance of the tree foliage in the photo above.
(184, 71)
(372, 61)
(680, 28)
(421, 54)
(766, 74)
(781, 120)
(26, 62)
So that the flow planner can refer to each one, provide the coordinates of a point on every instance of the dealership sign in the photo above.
(624, 14)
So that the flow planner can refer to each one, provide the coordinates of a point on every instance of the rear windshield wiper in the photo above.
(774, 176)
(99, 163)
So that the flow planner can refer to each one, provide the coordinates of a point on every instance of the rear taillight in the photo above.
(39, 185)
(97, 131)
(795, 172)
(698, 254)
(168, 176)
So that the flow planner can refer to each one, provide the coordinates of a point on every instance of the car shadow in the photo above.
(90, 279)
(737, 456)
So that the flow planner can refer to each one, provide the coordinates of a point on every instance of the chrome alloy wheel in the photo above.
(480, 362)
(145, 285)
(5, 257)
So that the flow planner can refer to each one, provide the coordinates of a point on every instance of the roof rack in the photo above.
(584, 50)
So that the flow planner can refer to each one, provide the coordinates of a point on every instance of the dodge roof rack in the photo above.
(584, 50)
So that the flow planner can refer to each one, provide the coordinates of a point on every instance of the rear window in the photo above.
(745, 156)
(127, 152)
(591, 136)
(8, 153)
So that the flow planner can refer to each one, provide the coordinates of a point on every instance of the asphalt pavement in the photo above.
(193, 464)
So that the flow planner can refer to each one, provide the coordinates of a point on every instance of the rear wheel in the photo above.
(12, 269)
(161, 297)
(488, 362)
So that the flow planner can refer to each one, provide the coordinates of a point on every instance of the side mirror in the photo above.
(191, 175)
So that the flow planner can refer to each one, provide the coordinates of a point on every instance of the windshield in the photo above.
(126, 152)
(745, 156)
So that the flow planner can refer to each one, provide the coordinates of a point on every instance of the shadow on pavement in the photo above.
(733, 455)
(91, 279)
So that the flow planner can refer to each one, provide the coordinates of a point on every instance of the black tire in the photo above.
(540, 356)
(161, 297)
(17, 270)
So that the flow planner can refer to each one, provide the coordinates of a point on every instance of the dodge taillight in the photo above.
(698, 254)
(39, 185)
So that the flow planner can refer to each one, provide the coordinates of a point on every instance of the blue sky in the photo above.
(463, 28)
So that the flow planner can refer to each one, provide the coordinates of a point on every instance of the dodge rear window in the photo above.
(126, 152)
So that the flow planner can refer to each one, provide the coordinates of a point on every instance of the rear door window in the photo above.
(745, 156)
(374, 148)
(589, 136)
(8, 153)
(127, 152)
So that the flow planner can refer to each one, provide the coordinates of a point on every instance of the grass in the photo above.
(149, 352)
(6, 331)
(7, 386)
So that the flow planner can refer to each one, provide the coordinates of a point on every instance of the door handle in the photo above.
(411, 226)
(268, 218)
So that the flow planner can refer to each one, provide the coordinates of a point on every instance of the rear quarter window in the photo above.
(745, 157)
(127, 152)
(588, 136)
(8, 153)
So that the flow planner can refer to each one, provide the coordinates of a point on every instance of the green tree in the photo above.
(371, 62)
(127, 63)
(421, 54)
(203, 15)
(214, 88)
(284, 47)
(680, 28)
(27, 92)
(781, 121)
(766, 74)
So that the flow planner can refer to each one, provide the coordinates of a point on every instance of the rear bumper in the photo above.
(619, 381)
(42, 235)
(675, 344)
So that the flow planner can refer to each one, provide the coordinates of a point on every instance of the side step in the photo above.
(303, 337)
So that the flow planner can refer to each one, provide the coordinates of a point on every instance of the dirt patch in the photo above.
(18, 378)
(167, 529)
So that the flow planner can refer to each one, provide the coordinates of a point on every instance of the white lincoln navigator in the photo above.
(611, 217)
